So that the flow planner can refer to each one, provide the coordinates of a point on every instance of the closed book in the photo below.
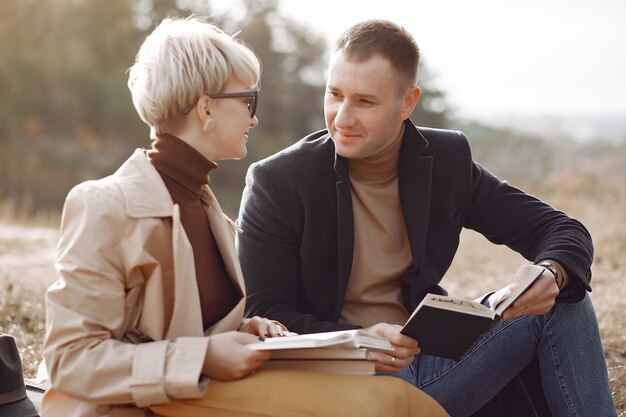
(448, 327)
(320, 353)
(333, 366)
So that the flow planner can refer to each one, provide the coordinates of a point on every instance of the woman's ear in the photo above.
(204, 106)
(203, 111)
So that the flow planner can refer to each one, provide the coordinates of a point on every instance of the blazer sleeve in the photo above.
(506, 215)
(269, 253)
(88, 311)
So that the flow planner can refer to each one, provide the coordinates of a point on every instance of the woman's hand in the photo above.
(404, 348)
(227, 357)
(263, 327)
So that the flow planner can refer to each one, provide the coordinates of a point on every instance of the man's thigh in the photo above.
(501, 354)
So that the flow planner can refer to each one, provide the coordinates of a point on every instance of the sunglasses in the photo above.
(252, 98)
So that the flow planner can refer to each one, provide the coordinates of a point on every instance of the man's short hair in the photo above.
(382, 37)
(181, 60)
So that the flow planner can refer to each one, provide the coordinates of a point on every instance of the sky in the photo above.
(503, 57)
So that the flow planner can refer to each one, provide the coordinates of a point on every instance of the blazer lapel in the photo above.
(414, 178)
(345, 226)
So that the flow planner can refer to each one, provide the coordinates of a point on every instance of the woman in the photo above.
(149, 304)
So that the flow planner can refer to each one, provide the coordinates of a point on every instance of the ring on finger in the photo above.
(393, 361)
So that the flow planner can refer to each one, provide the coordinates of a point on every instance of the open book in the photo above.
(448, 327)
(347, 339)
(341, 352)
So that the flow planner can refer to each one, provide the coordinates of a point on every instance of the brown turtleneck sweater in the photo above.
(185, 171)
(381, 245)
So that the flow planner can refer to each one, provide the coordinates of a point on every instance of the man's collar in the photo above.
(413, 144)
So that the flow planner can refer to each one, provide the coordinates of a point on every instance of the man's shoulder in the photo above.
(442, 135)
(441, 142)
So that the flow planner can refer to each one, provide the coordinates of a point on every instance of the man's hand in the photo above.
(404, 348)
(263, 327)
(538, 299)
(227, 357)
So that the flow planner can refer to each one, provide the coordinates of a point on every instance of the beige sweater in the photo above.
(381, 246)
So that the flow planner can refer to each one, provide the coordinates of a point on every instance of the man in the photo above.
(352, 226)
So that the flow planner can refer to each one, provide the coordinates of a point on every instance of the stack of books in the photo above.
(342, 352)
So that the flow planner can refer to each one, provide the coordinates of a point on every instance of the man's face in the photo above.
(363, 106)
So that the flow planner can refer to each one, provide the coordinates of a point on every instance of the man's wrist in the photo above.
(554, 270)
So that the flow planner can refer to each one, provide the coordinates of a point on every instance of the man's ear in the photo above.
(411, 97)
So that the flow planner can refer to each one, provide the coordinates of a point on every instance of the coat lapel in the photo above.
(186, 316)
(186, 319)
(146, 196)
(224, 230)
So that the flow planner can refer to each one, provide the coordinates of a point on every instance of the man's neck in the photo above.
(379, 167)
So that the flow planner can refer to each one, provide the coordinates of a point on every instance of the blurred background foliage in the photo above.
(66, 114)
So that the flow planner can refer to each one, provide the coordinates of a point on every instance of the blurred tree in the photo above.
(523, 159)
(432, 109)
(66, 114)
(292, 89)
(65, 108)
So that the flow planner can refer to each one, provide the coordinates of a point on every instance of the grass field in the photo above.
(27, 257)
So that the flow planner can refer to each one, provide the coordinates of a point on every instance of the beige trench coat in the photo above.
(123, 324)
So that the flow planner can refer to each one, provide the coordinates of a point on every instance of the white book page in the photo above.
(341, 338)
(504, 303)
(499, 296)
(457, 304)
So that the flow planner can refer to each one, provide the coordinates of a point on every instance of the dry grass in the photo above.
(27, 256)
(26, 270)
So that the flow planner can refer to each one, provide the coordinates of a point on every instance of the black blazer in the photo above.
(298, 233)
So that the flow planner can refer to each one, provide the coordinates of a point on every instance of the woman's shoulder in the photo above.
(98, 189)
(103, 194)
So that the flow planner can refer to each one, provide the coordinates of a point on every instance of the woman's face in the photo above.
(232, 123)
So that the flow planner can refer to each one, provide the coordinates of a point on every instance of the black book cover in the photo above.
(445, 333)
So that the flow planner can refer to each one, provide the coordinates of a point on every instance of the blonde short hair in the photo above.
(181, 60)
